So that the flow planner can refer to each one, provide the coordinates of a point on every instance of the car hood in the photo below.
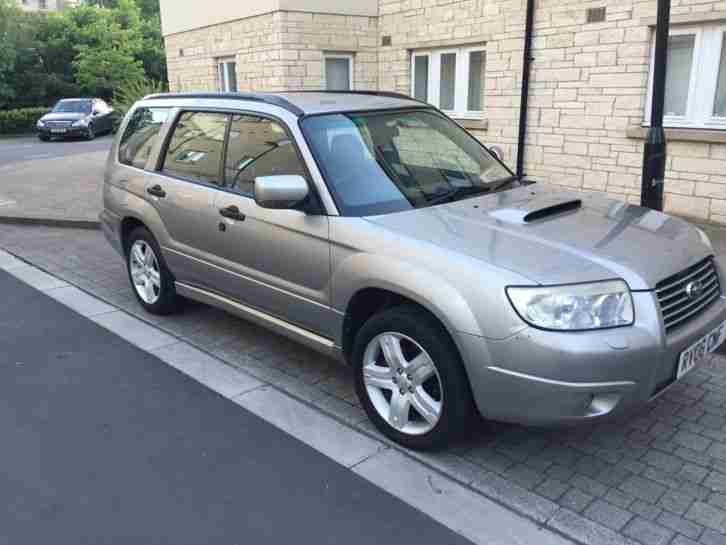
(555, 237)
(63, 117)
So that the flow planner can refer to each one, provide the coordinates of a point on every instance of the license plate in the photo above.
(58, 131)
(698, 350)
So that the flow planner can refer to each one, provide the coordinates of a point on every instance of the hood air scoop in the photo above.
(533, 213)
(552, 210)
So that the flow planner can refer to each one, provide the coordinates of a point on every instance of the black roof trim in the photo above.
(255, 97)
(276, 100)
(386, 94)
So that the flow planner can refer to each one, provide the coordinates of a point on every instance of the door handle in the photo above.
(232, 213)
(156, 191)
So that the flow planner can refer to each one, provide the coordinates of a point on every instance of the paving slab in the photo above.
(143, 335)
(210, 371)
(330, 437)
(476, 518)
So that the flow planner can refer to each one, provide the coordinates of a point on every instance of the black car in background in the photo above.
(83, 117)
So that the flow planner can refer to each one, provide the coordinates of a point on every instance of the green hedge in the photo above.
(22, 120)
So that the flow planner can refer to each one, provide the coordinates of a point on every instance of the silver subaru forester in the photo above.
(373, 228)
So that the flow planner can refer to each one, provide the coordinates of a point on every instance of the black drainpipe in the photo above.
(526, 70)
(654, 153)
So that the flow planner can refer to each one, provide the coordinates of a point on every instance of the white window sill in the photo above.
(689, 18)
(676, 134)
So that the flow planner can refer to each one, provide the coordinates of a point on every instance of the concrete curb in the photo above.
(51, 222)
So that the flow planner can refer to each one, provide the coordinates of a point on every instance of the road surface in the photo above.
(18, 150)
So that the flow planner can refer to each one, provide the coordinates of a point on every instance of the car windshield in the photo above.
(382, 162)
(73, 107)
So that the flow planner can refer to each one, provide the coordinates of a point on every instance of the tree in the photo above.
(153, 54)
(108, 45)
(149, 8)
(92, 49)
(8, 52)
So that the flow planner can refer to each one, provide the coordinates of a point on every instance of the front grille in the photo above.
(678, 304)
(58, 124)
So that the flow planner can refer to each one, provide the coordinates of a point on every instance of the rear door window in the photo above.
(141, 135)
(196, 147)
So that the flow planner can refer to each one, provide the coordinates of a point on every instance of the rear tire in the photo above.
(429, 389)
(151, 280)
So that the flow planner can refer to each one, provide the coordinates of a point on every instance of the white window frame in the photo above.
(351, 67)
(461, 97)
(223, 73)
(704, 78)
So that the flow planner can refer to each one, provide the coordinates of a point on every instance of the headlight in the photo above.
(81, 123)
(40, 124)
(575, 307)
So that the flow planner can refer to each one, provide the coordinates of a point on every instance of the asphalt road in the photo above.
(16, 150)
(105, 444)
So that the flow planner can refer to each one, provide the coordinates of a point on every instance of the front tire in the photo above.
(90, 133)
(44, 137)
(151, 280)
(410, 379)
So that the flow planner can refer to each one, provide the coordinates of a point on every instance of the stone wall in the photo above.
(277, 51)
(588, 94)
(590, 86)
(434, 23)
(588, 90)
(50, 5)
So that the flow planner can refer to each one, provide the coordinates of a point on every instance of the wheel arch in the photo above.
(128, 224)
(360, 295)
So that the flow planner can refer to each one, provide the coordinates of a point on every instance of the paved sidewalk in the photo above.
(655, 478)
(54, 181)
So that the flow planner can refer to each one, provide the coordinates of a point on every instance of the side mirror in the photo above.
(280, 192)
(96, 113)
(497, 152)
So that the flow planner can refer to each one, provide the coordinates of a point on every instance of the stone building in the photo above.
(589, 89)
(47, 5)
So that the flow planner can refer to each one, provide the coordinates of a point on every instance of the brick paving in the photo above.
(657, 477)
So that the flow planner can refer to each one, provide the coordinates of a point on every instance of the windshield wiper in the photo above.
(468, 191)
(457, 193)
(504, 182)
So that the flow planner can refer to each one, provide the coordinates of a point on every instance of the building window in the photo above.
(338, 72)
(450, 79)
(43, 4)
(227, 76)
(696, 78)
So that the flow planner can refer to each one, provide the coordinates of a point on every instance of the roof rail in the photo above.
(388, 94)
(256, 97)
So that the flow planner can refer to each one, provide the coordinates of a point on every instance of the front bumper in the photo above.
(70, 132)
(545, 378)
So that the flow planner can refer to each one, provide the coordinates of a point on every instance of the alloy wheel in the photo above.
(402, 383)
(145, 272)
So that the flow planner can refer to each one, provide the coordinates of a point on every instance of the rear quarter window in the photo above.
(141, 135)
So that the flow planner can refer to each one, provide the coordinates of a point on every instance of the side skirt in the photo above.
(303, 336)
